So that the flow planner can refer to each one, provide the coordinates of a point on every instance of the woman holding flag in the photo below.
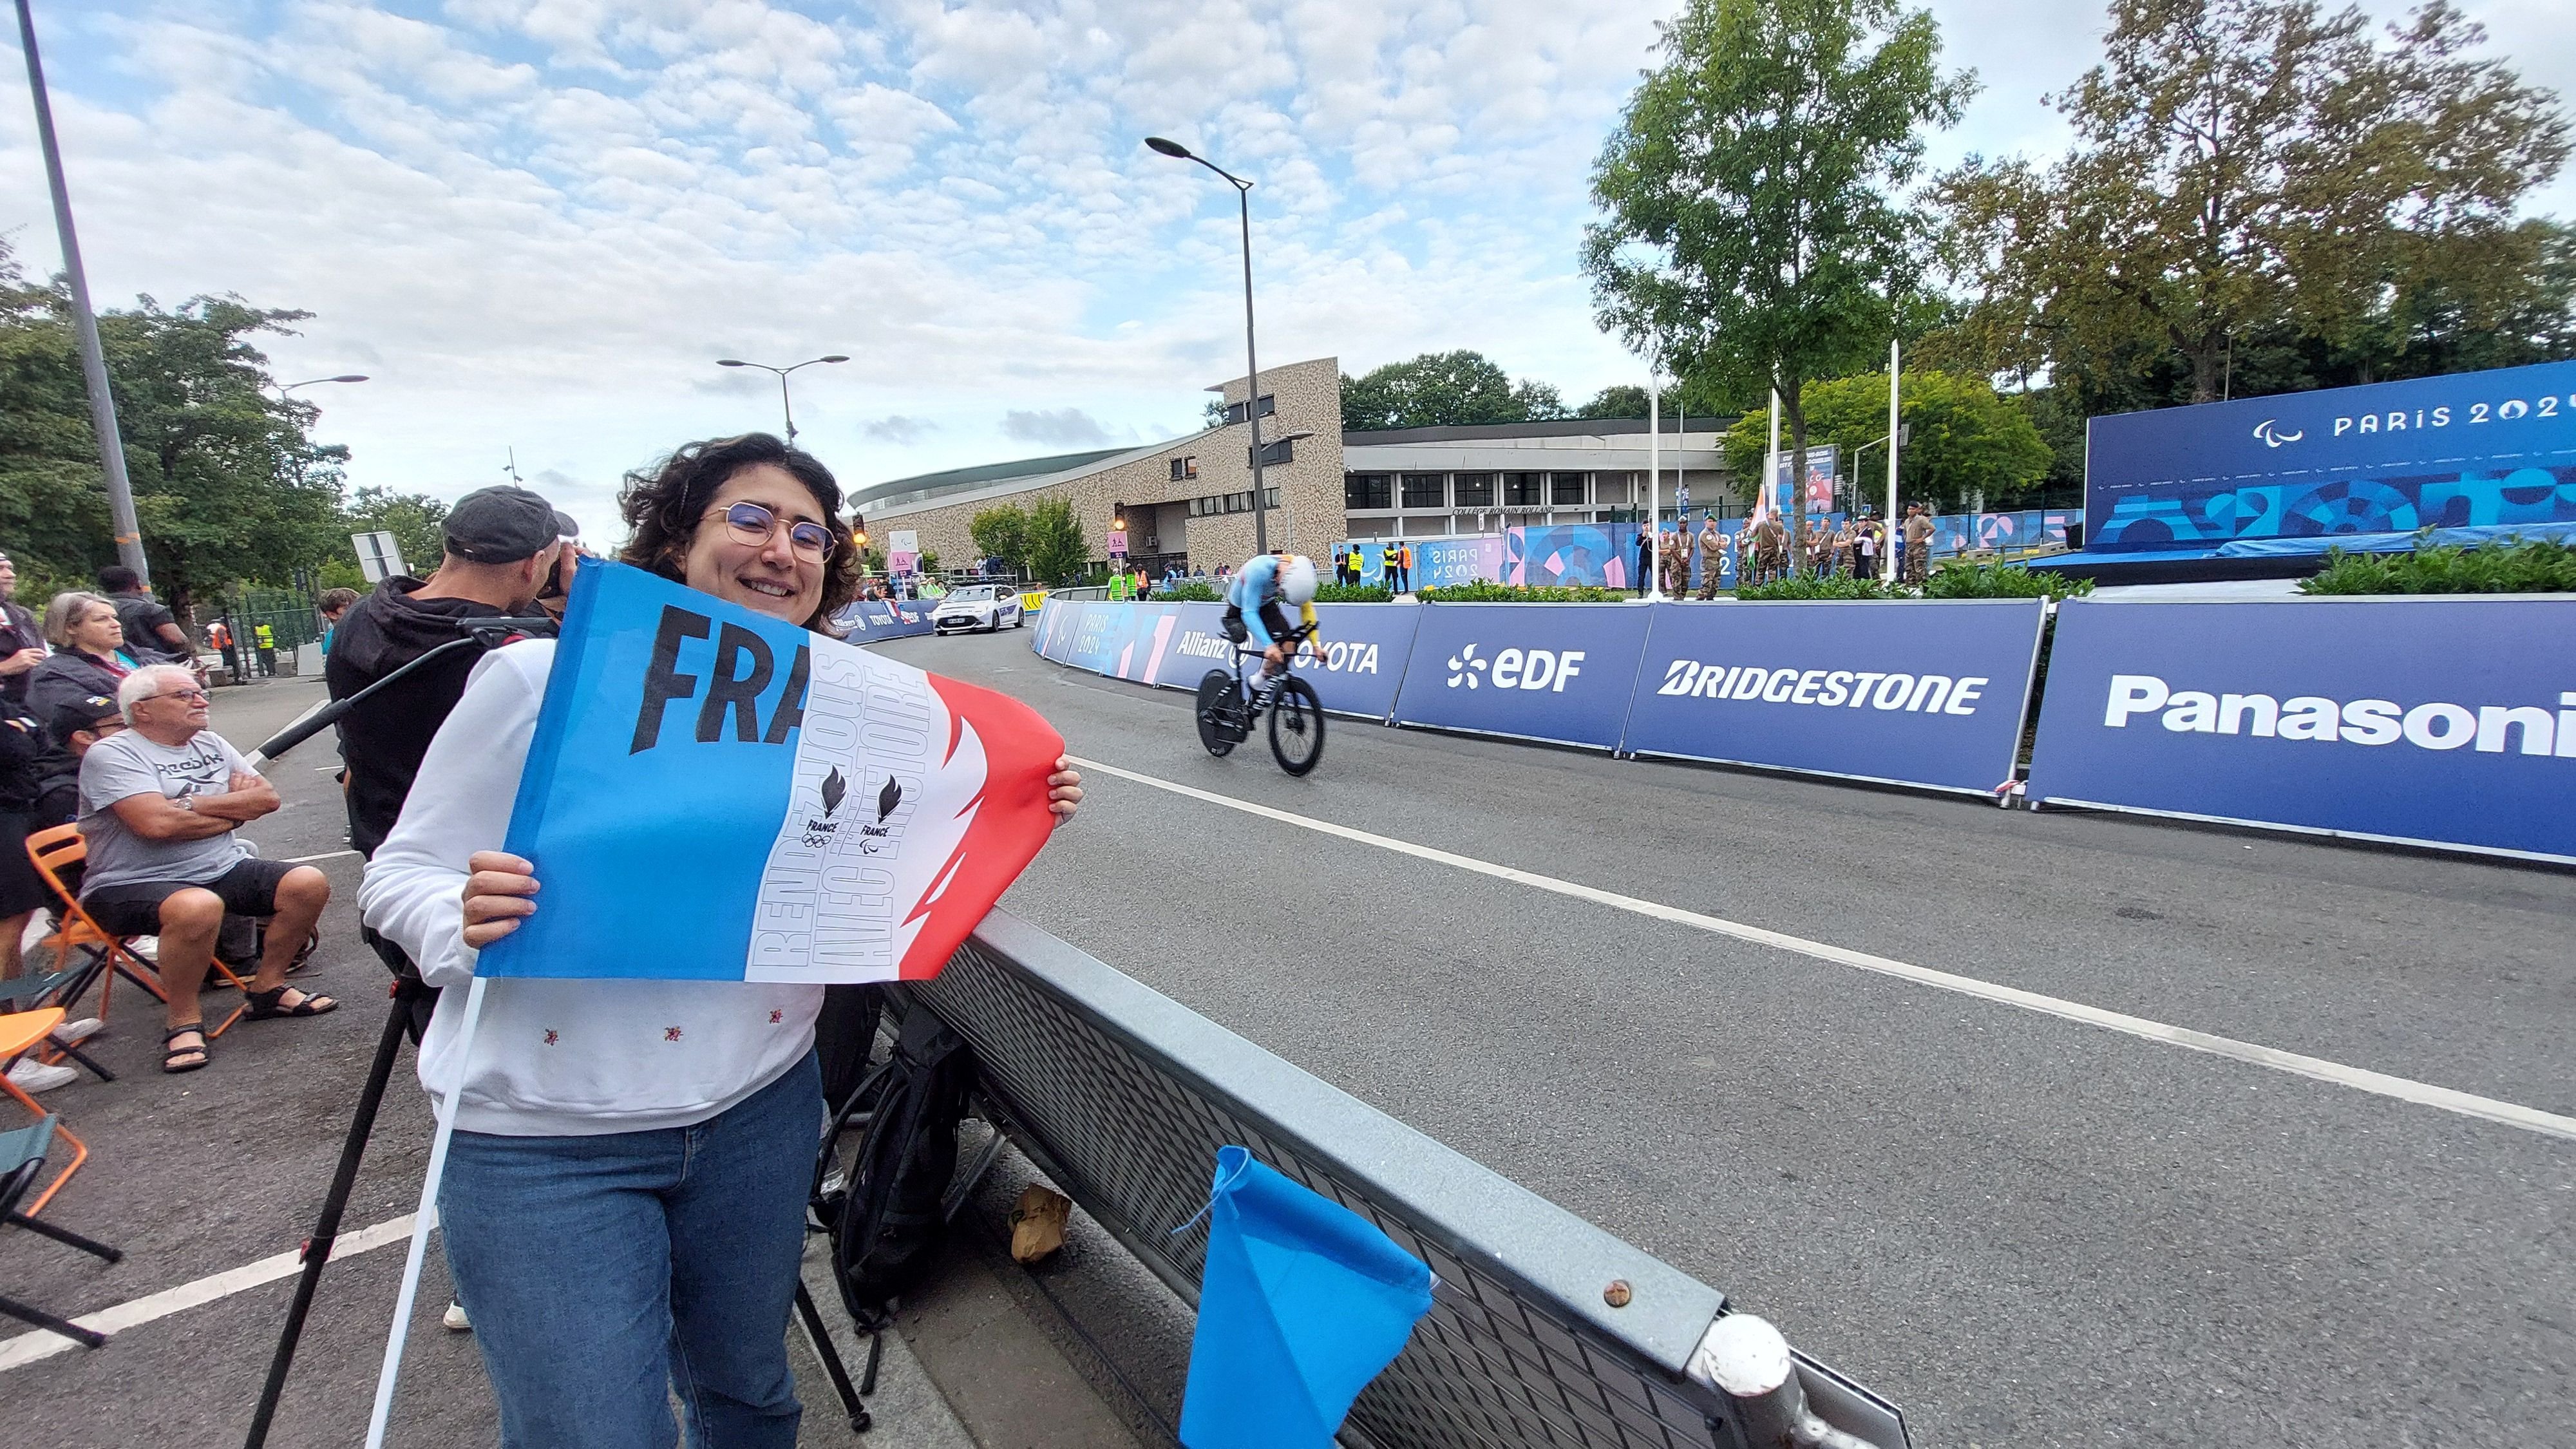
(624, 1197)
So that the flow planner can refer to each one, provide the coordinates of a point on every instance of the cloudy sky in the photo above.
(536, 223)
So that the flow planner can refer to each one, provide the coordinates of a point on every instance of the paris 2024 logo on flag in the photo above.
(717, 795)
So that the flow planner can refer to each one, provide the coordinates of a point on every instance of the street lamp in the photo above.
(784, 405)
(1251, 364)
(285, 388)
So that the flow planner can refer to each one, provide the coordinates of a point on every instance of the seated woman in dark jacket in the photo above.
(90, 654)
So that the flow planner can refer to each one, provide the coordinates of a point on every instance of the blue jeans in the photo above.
(606, 1274)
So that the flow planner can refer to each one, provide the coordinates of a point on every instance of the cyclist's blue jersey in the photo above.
(1256, 584)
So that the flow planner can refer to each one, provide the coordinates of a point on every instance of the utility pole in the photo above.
(102, 403)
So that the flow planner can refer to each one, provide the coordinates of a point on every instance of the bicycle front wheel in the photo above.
(1216, 697)
(1297, 726)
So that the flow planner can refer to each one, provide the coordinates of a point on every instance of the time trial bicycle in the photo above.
(1229, 705)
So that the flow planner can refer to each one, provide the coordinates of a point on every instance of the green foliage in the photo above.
(1484, 592)
(416, 520)
(1002, 534)
(2001, 581)
(1839, 586)
(1950, 581)
(2535, 566)
(1624, 400)
(1753, 237)
(1444, 389)
(1193, 591)
(2261, 198)
(1353, 594)
(227, 482)
(1965, 438)
(1057, 552)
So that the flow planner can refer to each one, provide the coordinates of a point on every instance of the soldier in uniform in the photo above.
(1712, 558)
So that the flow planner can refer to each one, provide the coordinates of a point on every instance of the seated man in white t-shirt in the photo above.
(160, 804)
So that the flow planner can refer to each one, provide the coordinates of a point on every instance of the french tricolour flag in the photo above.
(714, 795)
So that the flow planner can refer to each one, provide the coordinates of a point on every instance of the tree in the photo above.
(416, 520)
(2257, 173)
(1444, 389)
(1966, 442)
(1056, 549)
(1002, 534)
(1753, 236)
(1624, 400)
(228, 484)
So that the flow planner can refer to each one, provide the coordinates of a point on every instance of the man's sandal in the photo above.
(264, 1004)
(170, 1055)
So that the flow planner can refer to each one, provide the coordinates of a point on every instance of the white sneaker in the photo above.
(73, 1033)
(147, 947)
(455, 1318)
(30, 1075)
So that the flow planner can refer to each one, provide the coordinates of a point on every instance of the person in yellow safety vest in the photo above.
(266, 640)
(1119, 587)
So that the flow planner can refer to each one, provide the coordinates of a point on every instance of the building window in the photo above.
(1366, 490)
(1475, 490)
(1184, 469)
(1523, 490)
(1424, 490)
(1272, 498)
(1565, 488)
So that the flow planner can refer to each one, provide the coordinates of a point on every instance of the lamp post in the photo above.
(284, 388)
(1251, 363)
(784, 405)
(102, 403)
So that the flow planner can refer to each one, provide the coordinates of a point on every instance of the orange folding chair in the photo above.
(18, 1032)
(58, 849)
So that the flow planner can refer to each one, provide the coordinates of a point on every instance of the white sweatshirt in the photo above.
(554, 1058)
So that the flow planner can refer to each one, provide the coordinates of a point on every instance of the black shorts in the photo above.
(21, 889)
(134, 909)
(1271, 619)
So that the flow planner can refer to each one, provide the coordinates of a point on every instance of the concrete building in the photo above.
(1188, 502)
(1187, 499)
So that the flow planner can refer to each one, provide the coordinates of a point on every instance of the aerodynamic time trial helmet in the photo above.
(1297, 579)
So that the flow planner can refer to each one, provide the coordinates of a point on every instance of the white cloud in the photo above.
(537, 223)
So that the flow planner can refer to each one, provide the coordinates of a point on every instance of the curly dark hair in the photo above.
(663, 505)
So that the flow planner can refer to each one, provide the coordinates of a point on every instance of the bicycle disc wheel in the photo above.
(1216, 694)
(1297, 726)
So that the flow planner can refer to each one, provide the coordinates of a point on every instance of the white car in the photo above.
(977, 606)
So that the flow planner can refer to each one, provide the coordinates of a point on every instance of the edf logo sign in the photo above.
(1556, 672)
(1517, 669)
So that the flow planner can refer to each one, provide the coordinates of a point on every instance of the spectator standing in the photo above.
(624, 1203)
(1389, 562)
(151, 631)
(160, 804)
(22, 640)
(266, 639)
(1407, 571)
(1865, 546)
(335, 606)
(501, 546)
(1645, 559)
(1712, 558)
(1918, 544)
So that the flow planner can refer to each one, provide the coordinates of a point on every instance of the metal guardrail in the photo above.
(1543, 1329)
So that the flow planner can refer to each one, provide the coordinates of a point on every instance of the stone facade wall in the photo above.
(1309, 517)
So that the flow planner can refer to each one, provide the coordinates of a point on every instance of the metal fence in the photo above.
(1543, 1330)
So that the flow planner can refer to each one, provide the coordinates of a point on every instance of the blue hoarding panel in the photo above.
(1558, 672)
(2437, 720)
(2464, 450)
(1366, 648)
(1925, 693)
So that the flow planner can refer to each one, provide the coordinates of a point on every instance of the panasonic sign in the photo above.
(2435, 725)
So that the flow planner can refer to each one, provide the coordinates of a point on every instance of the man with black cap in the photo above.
(502, 547)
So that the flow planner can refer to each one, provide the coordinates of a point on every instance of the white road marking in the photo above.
(2360, 1079)
(326, 855)
(43, 1344)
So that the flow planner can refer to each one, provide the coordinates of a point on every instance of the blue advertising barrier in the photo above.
(1561, 673)
(1366, 646)
(872, 619)
(2462, 450)
(2443, 721)
(1919, 694)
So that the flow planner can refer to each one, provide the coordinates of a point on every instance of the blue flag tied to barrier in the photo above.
(1301, 1304)
(713, 794)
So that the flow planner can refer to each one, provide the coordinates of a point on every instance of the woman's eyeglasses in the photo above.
(756, 525)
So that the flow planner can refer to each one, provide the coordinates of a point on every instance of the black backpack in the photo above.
(886, 1216)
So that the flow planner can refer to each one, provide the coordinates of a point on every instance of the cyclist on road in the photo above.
(1252, 612)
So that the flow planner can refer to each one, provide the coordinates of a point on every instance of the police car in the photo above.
(977, 606)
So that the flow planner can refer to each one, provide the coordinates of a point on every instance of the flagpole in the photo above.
(1887, 546)
(1771, 458)
(423, 1220)
(1654, 488)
